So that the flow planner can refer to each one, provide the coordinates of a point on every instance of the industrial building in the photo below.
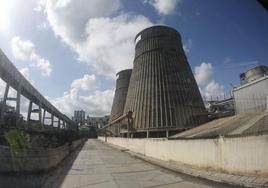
(97, 122)
(252, 95)
(220, 108)
(163, 94)
(79, 116)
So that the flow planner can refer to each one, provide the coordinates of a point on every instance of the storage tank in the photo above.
(120, 95)
(256, 73)
(163, 94)
(243, 78)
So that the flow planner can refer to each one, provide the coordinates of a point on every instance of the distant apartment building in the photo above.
(79, 116)
(97, 122)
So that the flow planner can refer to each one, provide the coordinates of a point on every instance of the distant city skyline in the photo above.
(71, 50)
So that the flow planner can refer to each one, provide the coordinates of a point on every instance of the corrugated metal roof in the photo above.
(246, 123)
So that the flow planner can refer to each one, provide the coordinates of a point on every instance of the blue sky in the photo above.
(71, 49)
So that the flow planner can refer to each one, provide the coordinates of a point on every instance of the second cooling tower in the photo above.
(120, 95)
(163, 94)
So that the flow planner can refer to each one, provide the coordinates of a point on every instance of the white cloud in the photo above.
(109, 46)
(40, 4)
(42, 26)
(163, 7)
(25, 72)
(22, 49)
(25, 50)
(204, 75)
(88, 82)
(213, 89)
(97, 30)
(68, 19)
(102, 35)
(188, 45)
(97, 104)
(42, 64)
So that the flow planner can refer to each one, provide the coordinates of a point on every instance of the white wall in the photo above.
(236, 155)
(252, 97)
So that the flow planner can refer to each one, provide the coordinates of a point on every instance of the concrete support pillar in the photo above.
(18, 106)
(58, 123)
(18, 100)
(44, 117)
(4, 104)
(29, 112)
(167, 134)
(147, 134)
(40, 113)
(52, 119)
(6, 94)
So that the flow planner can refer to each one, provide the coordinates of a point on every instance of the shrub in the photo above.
(17, 139)
(19, 143)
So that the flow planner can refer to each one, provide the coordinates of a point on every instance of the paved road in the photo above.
(101, 166)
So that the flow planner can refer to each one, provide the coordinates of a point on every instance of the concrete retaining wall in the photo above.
(34, 160)
(241, 155)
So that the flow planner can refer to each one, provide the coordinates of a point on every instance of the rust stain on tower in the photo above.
(162, 94)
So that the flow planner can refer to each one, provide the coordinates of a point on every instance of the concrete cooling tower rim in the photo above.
(157, 26)
(125, 70)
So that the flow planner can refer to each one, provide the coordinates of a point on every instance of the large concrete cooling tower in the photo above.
(163, 93)
(120, 95)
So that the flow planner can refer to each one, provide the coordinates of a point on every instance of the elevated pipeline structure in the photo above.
(122, 128)
(13, 78)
